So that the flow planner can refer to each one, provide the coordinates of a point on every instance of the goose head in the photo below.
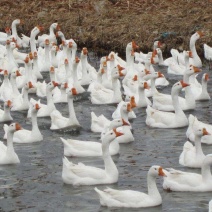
(72, 92)
(199, 132)
(15, 73)
(51, 69)
(143, 85)
(192, 70)
(6, 74)
(157, 44)
(111, 135)
(178, 86)
(8, 104)
(18, 21)
(126, 107)
(51, 85)
(55, 26)
(14, 127)
(36, 107)
(54, 48)
(84, 51)
(197, 35)
(36, 30)
(205, 77)
(132, 102)
(187, 54)
(47, 43)
(28, 85)
(76, 62)
(64, 86)
(155, 171)
(13, 45)
(8, 30)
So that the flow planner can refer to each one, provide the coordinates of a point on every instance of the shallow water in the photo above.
(36, 184)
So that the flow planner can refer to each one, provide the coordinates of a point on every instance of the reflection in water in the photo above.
(36, 183)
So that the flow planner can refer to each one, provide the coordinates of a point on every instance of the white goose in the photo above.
(77, 148)
(192, 156)
(134, 199)
(27, 136)
(21, 102)
(194, 123)
(60, 122)
(60, 95)
(164, 101)
(80, 174)
(14, 74)
(195, 60)
(187, 181)
(51, 36)
(107, 96)
(45, 110)
(5, 114)
(204, 95)
(160, 119)
(7, 153)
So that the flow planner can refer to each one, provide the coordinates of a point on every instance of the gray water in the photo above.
(36, 184)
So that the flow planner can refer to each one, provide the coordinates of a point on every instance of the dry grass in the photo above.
(106, 25)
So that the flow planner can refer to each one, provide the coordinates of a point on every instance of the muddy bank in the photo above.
(108, 25)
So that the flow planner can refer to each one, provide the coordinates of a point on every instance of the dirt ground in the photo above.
(108, 25)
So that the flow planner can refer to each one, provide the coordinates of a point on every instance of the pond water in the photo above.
(36, 184)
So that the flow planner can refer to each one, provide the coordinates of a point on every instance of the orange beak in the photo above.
(37, 106)
(125, 123)
(85, 51)
(17, 126)
(146, 86)
(135, 78)
(161, 173)
(201, 34)
(190, 54)
(160, 74)
(206, 77)
(134, 45)
(132, 102)
(74, 91)
(129, 107)
(18, 73)
(9, 103)
(55, 83)
(66, 85)
(147, 71)
(196, 70)
(184, 84)
(77, 59)
(30, 85)
(205, 132)
(117, 133)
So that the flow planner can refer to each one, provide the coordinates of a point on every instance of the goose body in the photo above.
(77, 148)
(58, 121)
(7, 153)
(194, 123)
(193, 156)
(80, 174)
(188, 181)
(133, 199)
(160, 119)
(28, 136)
(45, 110)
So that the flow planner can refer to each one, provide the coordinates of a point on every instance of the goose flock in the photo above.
(52, 73)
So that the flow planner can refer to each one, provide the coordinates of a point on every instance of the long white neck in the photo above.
(52, 76)
(178, 110)
(141, 97)
(32, 41)
(47, 58)
(72, 115)
(10, 148)
(51, 30)
(84, 65)
(206, 171)
(153, 88)
(6, 82)
(196, 60)
(152, 187)
(124, 115)
(188, 92)
(204, 87)
(198, 146)
(14, 29)
(14, 85)
(75, 79)
(110, 166)
(116, 91)
(25, 96)
(35, 129)
(49, 98)
(6, 114)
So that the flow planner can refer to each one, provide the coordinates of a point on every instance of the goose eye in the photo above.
(155, 169)
(111, 133)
